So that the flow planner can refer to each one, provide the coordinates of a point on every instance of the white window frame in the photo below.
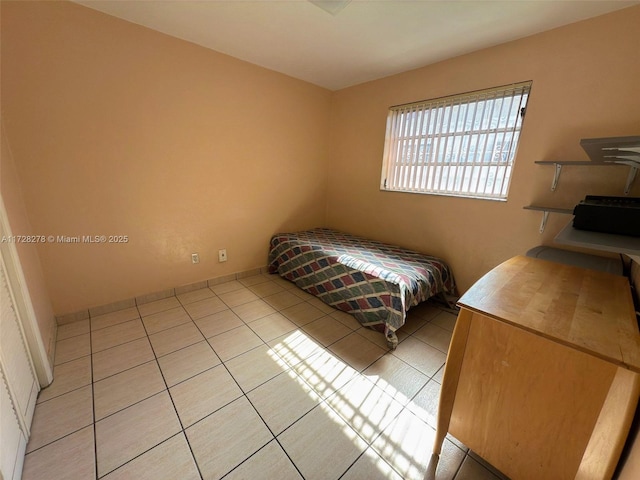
(461, 145)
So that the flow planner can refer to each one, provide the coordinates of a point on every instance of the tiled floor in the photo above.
(251, 379)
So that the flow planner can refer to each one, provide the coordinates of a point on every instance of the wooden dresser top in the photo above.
(585, 309)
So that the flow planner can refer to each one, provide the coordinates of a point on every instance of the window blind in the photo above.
(462, 145)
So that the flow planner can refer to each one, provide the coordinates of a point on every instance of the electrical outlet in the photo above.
(195, 258)
(222, 255)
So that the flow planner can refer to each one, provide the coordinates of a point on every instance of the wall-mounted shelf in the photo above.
(602, 152)
(606, 242)
(546, 211)
(609, 163)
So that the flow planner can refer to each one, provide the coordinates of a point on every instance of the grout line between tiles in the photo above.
(64, 393)
(189, 378)
(70, 336)
(275, 437)
(183, 304)
(55, 440)
(93, 406)
(146, 451)
(118, 373)
(376, 452)
(460, 466)
(254, 454)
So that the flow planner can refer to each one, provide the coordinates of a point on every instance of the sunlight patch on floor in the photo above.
(370, 405)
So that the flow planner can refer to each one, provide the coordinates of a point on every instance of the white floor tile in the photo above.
(204, 394)
(70, 457)
(308, 445)
(170, 460)
(283, 400)
(370, 465)
(268, 462)
(219, 445)
(187, 362)
(134, 430)
(255, 367)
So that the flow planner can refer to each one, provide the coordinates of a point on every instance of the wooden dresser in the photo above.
(543, 373)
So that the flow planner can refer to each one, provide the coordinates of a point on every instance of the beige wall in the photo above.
(29, 260)
(120, 130)
(585, 84)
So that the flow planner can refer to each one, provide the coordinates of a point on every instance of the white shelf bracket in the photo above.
(632, 176)
(543, 223)
(556, 177)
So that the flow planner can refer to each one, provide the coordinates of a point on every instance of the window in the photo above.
(462, 145)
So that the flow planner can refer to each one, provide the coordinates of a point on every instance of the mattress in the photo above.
(376, 282)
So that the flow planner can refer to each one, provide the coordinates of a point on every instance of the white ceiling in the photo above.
(365, 40)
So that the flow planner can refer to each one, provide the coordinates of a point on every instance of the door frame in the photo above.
(25, 312)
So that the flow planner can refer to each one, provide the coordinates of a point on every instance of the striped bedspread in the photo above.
(374, 281)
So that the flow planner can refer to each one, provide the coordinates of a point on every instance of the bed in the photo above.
(375, 282)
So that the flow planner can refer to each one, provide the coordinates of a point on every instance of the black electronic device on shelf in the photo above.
(617, 215)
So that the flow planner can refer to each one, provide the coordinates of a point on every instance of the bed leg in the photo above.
(392, 339)
(449, 301)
